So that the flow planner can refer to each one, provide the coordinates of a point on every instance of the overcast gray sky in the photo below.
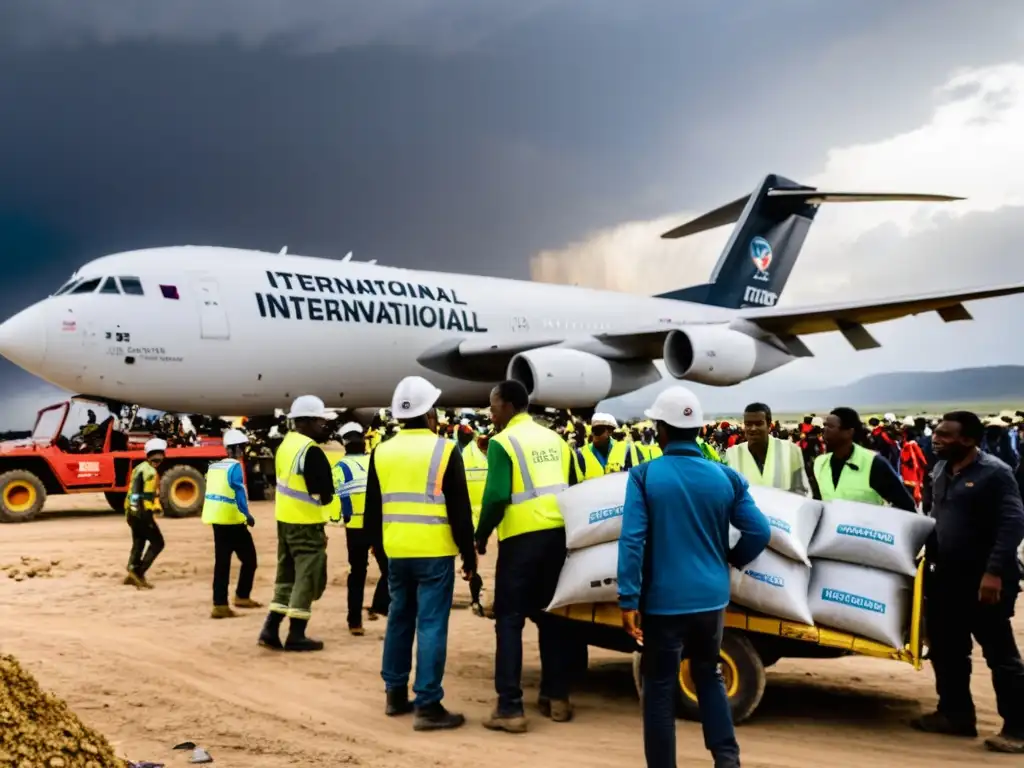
(471, 136)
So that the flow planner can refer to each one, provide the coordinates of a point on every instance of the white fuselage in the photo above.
(252, 330)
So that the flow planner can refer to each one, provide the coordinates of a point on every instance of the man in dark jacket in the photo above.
(972, 582)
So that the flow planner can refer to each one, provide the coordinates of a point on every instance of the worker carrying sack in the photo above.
(593, 510)
(589, 576)
(793, 519)
(866, 534)
(863, 601)
(773, 585)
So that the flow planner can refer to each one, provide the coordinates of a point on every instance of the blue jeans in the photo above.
(421, 603)
(667, 639)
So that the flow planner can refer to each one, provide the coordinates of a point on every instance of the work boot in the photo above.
(246, 602)
(941, 724)
(297, 640)
(558, 710)
(434, 717)
(270, 635)
(356, 631)
(398, 702)
(222, 612)
(372, 616)
(135, 580)
(510, 723)
(1007, 743)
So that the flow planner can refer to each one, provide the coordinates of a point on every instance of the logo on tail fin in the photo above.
(761, 254)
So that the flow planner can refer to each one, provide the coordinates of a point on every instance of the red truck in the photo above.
(99, 461)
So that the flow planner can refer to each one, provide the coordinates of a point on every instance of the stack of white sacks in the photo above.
(841, 565)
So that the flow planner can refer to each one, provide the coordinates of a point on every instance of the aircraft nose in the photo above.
(23, 338)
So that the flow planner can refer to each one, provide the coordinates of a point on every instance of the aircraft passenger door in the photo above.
(213, 318)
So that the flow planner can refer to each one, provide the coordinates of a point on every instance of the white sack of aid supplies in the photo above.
(774, 585)
(863, 601)
(589, 576)
(593, 510)
(793, 519)
(865, 534)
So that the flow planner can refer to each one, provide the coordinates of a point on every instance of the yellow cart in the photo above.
(751, 643)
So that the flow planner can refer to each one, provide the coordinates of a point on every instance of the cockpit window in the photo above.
(87, 287)
(131, 286)
(66, 287)
(110, 286)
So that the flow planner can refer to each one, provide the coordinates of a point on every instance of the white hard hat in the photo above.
(310, 407)
(604, 420)
(234, 437)
(817, 421)
(678, 407)
(156, 445)
(350, 427)
(995, 421)
(908, 421)
(413, 397)
(889, 417)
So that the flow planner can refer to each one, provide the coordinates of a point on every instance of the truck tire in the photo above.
(115, 500)
(742, 671)
(22, 496)
(182, 489)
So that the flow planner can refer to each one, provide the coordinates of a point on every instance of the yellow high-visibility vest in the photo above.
(353, 488)
(617, 455)
(292, 502)
(778, 468)
(150, 489)
(220, 507)
(410, 468)
(649, 452)
(854, 484)
(475, 462)
(541, 463)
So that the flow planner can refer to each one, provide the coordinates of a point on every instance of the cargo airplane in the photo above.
(197, 329)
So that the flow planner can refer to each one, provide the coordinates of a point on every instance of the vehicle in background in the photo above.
(98, 458)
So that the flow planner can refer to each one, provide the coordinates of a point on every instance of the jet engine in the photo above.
(719, 356)
(567, 378)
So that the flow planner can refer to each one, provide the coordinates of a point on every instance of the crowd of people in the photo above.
(421, 488)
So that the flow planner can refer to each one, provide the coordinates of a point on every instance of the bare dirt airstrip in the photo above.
(151, 669)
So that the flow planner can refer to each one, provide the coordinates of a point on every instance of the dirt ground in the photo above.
(150, 669)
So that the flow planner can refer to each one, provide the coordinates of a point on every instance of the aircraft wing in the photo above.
(850, 317)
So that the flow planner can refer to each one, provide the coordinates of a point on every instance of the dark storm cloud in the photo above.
(308, 25)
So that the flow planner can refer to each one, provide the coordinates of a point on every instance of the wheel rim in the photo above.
(730, 676)
(184, 492)
(19, 496)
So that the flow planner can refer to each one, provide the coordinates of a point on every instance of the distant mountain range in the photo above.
(994, 386)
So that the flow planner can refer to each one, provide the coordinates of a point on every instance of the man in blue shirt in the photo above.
(226, 508)
(673, 575)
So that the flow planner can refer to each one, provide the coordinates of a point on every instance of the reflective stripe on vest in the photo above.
(535, 480)
(292, 502)
(150, 488)
(220, 506)
(475, 463)
(776, 464)
(355, 489)
(854, 484)
(410, 469)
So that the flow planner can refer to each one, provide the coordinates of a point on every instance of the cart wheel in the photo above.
(742, 673)
(22, 496)
(182, 490)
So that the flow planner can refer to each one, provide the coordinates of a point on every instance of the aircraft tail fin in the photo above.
(771, 225)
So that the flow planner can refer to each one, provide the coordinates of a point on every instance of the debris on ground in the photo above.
(33, 568)
(38, 730)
